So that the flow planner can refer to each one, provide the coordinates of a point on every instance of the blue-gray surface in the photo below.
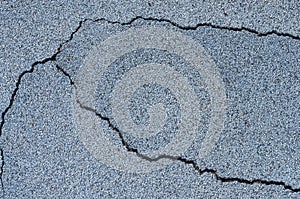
(256, 48)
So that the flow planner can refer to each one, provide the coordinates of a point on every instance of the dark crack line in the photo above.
(204, 24)
(176, 158)
(53, 57)
(239, 180)
(15, 91)
(125, 144)
(12, 99)
(44, 61)
(59, 49)
(184, 160)
(66, 74)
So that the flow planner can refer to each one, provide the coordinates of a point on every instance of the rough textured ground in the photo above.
(255, 47)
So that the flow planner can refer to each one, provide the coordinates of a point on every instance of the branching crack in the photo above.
(44, 61)
(53, 57)
(195, 27)
(15, 91)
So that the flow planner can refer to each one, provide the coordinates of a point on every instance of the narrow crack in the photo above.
(15, 91)
(204, 24)
(125, 144)
(114, 128)
(186, 161)
(59, 50)
(66, 74)
(44, 61)
(53, 57)
(177, 158)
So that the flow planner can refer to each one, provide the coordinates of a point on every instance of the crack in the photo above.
(125, 144)
(203, 24)
(44, 61)
(175, 158)
(66, 74)
(53, 57)
(178, 158)
(128, 23)
(19, 80)
(59, 49)
(187, 161)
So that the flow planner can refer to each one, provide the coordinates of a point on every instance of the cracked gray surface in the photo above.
(46, 159)
(33, 30)
(42, 152)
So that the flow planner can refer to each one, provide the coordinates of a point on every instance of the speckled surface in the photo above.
(255, 48)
